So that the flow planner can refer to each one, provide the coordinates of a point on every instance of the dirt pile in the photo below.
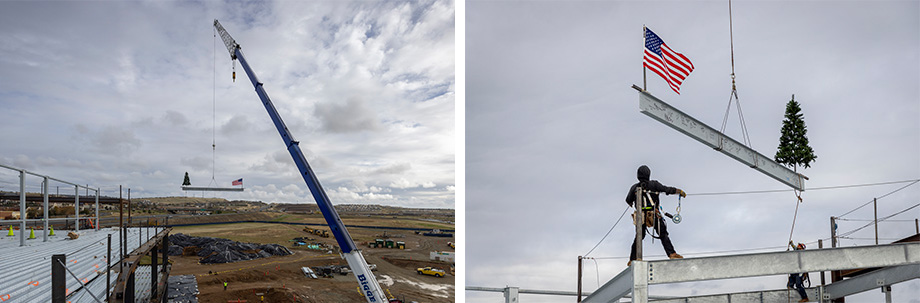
(217, 250)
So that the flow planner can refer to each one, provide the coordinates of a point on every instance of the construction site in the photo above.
(261, 256)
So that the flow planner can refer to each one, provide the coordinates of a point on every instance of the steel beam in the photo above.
(778, 263)
(903, 256)
(882, 277)
(680, 121)
(616, 288)
(765, 296)
(193, 188)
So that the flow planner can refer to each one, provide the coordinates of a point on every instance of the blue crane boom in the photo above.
(368, 283)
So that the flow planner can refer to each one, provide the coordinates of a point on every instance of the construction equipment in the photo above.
(428, 270)
(366, 280)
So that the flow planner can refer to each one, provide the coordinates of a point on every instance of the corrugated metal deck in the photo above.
(25, 272)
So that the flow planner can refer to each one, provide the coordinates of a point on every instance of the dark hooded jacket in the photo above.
(651, 185)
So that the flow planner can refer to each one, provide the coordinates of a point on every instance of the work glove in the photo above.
(681, 193)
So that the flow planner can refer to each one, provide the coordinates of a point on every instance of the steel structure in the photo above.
(201, 188)
(22, 203)
(680, 121)
(368, 283)
(899, 262)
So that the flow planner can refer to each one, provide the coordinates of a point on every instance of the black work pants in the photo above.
(662, 230)
(795, 281)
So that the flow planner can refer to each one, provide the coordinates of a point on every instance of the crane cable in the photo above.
(214, 113)
(734, 94)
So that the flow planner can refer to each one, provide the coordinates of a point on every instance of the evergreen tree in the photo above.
(793, 142)
(186, 182)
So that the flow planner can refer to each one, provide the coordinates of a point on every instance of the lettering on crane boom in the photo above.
(367, 288)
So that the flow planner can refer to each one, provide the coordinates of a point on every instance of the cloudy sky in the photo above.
(122, 93)
(554, 134)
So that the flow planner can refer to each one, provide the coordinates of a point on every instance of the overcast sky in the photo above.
(554, 135)
(112, 93)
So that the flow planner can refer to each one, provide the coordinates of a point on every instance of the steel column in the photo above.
(58, 282)
(108, 269)
(97, 208)
(22, 207)
(579, 278)
(76, 208)
(511, 295)
(129, 288)
(153, 271)
(45, 208)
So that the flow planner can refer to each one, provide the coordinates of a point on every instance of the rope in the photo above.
(608, 232)
(797, 202)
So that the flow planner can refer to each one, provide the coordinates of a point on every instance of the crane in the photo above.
(366, 280)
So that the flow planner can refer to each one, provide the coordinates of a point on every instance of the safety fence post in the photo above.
(45, 208)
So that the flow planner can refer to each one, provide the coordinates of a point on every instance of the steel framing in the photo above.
(680, 121)
(200, 188)
(900, 263)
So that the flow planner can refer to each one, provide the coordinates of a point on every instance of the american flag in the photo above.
(661, 59)
(238, 182)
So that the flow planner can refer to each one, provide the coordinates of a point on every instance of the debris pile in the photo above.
(182, 289)
(217, 250)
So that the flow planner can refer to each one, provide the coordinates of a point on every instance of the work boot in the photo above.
(804, 300)
(628, 264)
(675, 256)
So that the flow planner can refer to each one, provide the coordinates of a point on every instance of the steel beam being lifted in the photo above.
(680, 121)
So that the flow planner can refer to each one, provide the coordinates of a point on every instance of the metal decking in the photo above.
(26, 270)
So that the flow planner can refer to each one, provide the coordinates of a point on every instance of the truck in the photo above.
(428, 270)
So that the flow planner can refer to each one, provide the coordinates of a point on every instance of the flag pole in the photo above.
(643, 63)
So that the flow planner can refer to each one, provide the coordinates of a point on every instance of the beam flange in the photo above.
(778, 263)
(775, 296)
(680, 121)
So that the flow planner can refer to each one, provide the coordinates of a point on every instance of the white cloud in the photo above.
(135, 104)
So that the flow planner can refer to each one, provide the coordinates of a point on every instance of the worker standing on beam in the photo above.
(651, 188)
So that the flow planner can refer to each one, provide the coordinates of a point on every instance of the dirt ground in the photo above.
(279, 279)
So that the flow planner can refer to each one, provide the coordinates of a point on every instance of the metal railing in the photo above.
(23, 215)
